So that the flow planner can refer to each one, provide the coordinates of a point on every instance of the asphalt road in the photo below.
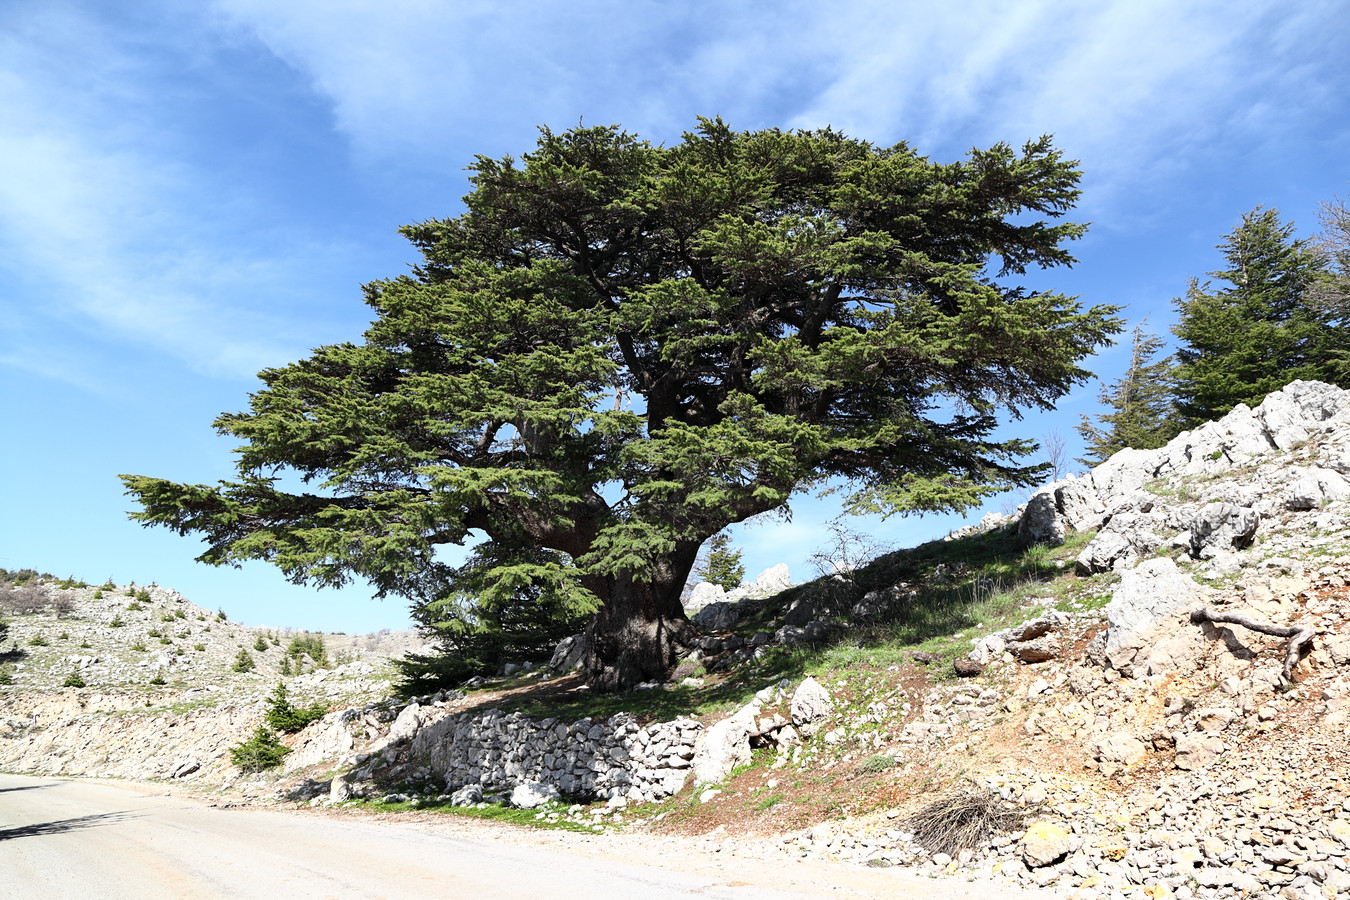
(90, 840)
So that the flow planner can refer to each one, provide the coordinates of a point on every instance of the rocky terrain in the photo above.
(1147, 670)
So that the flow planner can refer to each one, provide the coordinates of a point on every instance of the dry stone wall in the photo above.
(585, 758)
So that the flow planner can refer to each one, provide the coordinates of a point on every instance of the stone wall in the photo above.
(586, 758)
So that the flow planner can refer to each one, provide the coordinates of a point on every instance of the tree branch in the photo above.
(1299, 635)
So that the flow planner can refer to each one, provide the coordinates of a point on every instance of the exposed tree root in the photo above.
(1299, 635)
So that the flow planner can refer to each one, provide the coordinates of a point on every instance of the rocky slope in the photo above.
(1155, 752)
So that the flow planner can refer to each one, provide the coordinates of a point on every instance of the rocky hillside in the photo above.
(1143, 679)
(136, 681)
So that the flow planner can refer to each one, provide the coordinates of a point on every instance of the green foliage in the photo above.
(4, 630)
(142, 596)
(133, 606)
(220, 616)
(288, 719)
(481, 625)
(63, 636)
(1254, 333)
(98, 594)
(874, 765)
(260, 644)
(243, 662)
(619, 349)
(116, 622)
(158, 679)
(138, 646)
(1142, 413)
(310, 645)
(261, 751)
(74, 679)
(6, 677)
(38, 640)
(723, 566)
(285, 665)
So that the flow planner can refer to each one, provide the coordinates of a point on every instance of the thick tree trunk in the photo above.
(641, 630)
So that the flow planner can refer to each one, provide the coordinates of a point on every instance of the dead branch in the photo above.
(1299, 635)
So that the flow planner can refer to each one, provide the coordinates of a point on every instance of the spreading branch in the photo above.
(1299, 635)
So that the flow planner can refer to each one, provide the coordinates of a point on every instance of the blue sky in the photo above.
(191, 192)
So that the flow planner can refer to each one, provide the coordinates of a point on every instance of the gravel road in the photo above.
(87, 840)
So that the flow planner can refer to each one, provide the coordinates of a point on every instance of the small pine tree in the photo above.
(5, 676)
(286, 718)
(1142, 414)
(74, 679)
(285, 665)
(262, 751)
(1254, 334)
(723, 566)
(260, 644)
(243, 662)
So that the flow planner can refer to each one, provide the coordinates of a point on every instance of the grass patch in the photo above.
(492, 812)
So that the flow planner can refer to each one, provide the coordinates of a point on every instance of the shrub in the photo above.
(63, 636)
(139, 646)
(875, 764)
(142, 596)
(133, 606)
(963, 821)
(85, 645)
(285, 665)
(153, 632)
(310, 645)
(98, 594)
(4, 630)
(289, 719)
(165, 639)
(260, 644)
(220, 616)
(158, 679)
(5, 676)
(116, 622)
(74, 679)
(262, 751)
(243, 662)
(200, 648)
(39, 640)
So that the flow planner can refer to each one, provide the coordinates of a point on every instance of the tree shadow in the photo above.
(27, 787)
(60, 826)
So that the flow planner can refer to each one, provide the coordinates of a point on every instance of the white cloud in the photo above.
(107, 235)
(1129, 84)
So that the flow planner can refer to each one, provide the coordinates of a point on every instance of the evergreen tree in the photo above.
(620, 348)
(1142, 413)
(1330, 293)
(723, 565)
(1253, 334)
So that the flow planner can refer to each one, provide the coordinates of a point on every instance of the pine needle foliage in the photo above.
(621, 348)
(723, 566)
(1142, 412)
(1250, 332)
(263, 750)
(282, 716)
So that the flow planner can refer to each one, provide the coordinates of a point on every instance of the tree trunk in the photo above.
(641, 629)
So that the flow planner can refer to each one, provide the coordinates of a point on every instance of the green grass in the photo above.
(491, 812)
(962, 589)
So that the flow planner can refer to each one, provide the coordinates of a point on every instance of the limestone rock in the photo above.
(406, 725)
(1041, 521)
(716, 616)
(1197, 751)
(1045, 844)
(1146, 593)
(569, 653)
(1222, 526)
(810, 702)
(1121, 747)
(705, 592)
(724, 746)
(532, 794)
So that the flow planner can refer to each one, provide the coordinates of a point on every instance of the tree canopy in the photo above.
(1142, 410)
(619, 348)
(1254, 332)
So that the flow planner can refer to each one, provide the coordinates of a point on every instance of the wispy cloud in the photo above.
(109, 236)
(1133, 85)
